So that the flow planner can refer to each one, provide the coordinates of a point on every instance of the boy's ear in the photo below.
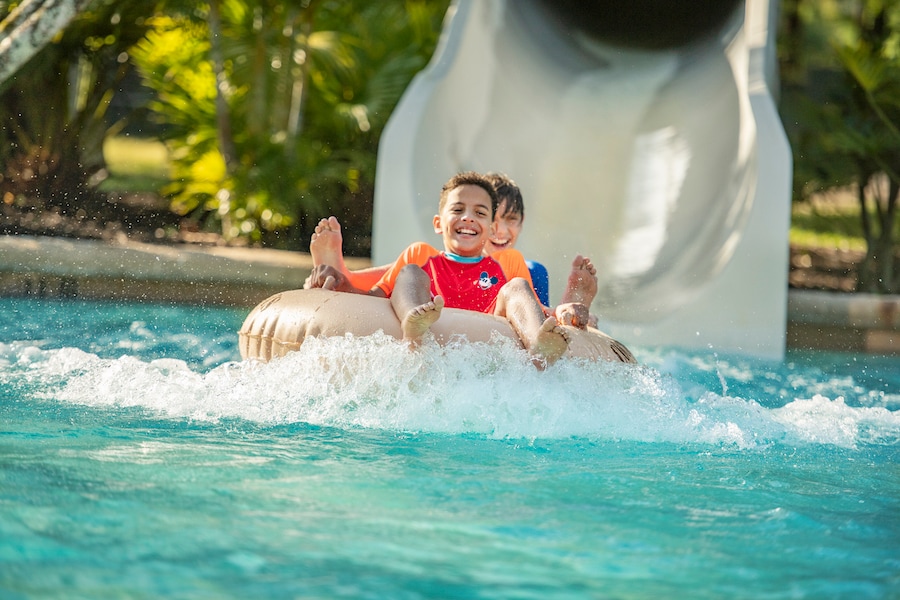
(437, 224)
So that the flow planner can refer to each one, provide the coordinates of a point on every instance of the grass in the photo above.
(831, 225)
(831, 219)
(135, 164)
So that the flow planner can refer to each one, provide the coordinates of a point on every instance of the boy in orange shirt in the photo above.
(423, 280)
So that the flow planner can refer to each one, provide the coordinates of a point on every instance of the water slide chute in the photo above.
(643, 134)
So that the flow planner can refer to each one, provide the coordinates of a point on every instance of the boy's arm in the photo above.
(363, 279)
(329, 278)
(366, 279)
(575, 314)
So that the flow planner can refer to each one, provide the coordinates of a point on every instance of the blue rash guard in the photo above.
(541, 280)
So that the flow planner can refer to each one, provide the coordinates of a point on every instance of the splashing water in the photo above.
(487, 389)
(140, 456)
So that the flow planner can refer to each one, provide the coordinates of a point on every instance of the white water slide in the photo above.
(642, 134)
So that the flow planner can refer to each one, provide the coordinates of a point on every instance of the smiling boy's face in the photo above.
(464, 222)
(507, 227)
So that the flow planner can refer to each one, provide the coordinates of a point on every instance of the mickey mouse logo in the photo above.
(484, 282)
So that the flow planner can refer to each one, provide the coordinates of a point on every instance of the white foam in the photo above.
(489, 389)
(822, 420)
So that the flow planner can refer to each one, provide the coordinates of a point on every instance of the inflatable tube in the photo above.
(280, 323)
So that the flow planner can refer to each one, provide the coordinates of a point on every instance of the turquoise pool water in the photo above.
(139, 458)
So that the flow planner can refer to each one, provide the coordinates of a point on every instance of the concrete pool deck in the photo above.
(49, 267)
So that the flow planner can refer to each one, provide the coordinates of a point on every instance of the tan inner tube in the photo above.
(280, 323)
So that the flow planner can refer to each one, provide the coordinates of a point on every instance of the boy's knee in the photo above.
(414, 272)
(516, 285)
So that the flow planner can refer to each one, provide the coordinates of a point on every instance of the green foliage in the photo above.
(831, 221)
(304, 92)
(172, 60)
(53, 110)
(841, 108)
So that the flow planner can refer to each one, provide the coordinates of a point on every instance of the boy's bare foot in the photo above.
(419, 320)
(582, 284)
(550, 343)
(326, 245)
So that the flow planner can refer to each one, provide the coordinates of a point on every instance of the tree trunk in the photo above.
(878, 210)
(30, 27)
(223, 115)
(300, 74)
(890, 277)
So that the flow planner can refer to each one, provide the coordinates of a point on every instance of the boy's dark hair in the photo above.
(469, 178)
(508, 192)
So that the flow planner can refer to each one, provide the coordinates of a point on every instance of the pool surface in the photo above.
(139, 458)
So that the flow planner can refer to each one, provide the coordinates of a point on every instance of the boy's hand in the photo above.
(328, 278)
(575, 314)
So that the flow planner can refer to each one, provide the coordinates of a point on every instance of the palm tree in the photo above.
(53, 108)
(30, 27)
(297, 98)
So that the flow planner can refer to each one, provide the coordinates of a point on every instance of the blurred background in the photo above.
(243, 122)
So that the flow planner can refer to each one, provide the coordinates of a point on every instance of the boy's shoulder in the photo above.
(418, 251)
(508, 255)
(422, 247)
(512, 262)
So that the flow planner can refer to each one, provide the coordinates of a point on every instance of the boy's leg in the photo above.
(326, 245)
(544, 339)
(326, 248)
(412, 303)
(581, 286)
